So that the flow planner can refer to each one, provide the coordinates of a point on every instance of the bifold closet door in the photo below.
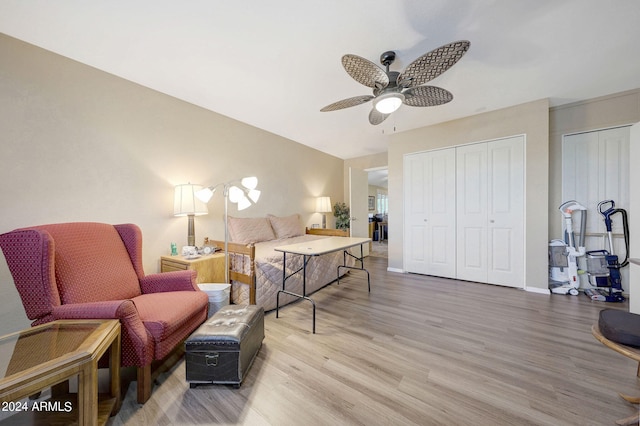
(471, 221)
(505, 195)
(595, 167)
(490, 212)
(430, 213)
(464, 212)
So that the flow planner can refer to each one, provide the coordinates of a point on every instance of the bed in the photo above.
(255, 269)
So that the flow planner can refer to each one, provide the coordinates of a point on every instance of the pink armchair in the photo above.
(94, 270)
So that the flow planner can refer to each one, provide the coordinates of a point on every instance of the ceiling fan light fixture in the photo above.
(388, 102)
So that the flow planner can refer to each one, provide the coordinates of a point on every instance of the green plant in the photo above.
(341, 212)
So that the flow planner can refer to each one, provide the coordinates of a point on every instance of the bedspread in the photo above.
(321, 270)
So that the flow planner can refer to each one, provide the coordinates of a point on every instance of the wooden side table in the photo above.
(52, 353)
(210, 268)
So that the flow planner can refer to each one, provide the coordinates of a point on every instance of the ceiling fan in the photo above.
(392, 89)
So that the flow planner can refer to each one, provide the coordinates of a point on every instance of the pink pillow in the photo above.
(250, 230)
(286, 227)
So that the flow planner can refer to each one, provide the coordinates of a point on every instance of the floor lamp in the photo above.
(244, 196)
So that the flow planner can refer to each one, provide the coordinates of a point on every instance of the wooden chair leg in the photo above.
(144, 383)
(629, 421)
(629, 398)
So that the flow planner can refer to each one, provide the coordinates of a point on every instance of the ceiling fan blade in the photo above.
(346, 103)
(376, 117)
(365, 72)
(425, 96)
(432, 64)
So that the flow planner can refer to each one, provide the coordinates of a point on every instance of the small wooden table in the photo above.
(49, 354)
(314, 248)
(210, 267)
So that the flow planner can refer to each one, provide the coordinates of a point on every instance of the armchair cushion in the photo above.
(170, 317)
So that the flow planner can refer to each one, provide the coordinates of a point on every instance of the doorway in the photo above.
(378, 207)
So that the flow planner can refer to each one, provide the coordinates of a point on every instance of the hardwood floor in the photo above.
(416, 350)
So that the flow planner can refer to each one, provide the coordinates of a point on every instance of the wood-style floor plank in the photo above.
(417, 350)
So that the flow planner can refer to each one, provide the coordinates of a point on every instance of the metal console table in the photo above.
(318, 248)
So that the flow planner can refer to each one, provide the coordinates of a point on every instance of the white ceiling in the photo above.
(274, 64)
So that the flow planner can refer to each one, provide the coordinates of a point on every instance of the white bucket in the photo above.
(218, 295)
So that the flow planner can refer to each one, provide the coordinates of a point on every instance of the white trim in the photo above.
(398, 270)
(596, 130)
(538, 290)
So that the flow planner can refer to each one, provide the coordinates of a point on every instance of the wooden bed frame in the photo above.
(247, 253)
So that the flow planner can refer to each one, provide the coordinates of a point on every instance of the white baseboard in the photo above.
(538, 290)
(398, 270)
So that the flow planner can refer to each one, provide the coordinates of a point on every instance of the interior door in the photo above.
(358, 203)
(505, 195)
(471, 205)
(430, 213)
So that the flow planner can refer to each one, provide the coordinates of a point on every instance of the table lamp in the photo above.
(323, 205)
(185, 203)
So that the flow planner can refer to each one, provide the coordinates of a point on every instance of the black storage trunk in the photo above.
(222, 349)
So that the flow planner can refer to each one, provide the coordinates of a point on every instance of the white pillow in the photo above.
(286, 227)
(250, 230)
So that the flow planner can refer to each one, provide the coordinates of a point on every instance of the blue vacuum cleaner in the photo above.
(603, 266)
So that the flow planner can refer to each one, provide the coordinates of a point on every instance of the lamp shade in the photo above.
(186, 203)
(205, 194)
(323, 205)
(250, 182)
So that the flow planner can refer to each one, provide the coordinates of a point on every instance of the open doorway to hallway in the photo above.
(378, 210)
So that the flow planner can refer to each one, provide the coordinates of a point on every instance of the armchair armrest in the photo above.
(109, 309)
(169, 281)
(133, 330)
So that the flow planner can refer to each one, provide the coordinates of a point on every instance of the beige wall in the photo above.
(530, 119)
(78, 144)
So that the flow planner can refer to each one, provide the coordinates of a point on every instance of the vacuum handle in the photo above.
(602, 204)
(607, 212)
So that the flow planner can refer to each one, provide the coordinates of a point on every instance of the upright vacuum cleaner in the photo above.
(603, 266)
(564, 254)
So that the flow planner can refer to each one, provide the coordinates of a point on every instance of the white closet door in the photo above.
(471, 226)
(505, 195)
(595, 167)
(430, 213)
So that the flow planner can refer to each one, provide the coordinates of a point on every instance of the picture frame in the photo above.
(372, 202)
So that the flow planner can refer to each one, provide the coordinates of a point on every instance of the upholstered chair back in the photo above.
(73, 263)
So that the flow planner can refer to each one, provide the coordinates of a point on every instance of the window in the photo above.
(382, 203)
